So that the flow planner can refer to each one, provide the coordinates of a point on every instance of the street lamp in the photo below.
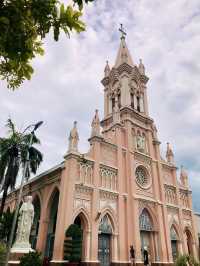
(35, 127)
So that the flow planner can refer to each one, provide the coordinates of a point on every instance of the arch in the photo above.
(109, 211)
(152, 217)
(36, 221)
(174, 237)
(82, 212)
(189, 240)
(52, 209)
(107, 242)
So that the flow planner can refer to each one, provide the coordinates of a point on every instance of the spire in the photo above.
(123, 55)
(107, 69)
(141, 68)
(95, 125)
(169, 154)
(73, 139)
(184, 177)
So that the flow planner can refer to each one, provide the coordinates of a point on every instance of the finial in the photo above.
(96, 125)
(184, 177)
(169, 154)
(121, 29)
(141, 67)
(107, 69)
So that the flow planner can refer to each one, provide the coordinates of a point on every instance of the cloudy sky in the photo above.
(66, 83)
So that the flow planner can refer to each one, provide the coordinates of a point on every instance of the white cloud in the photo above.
(66, 83)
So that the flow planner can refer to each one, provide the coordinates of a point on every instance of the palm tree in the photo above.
(13, 151)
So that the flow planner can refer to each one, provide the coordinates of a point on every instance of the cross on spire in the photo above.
(121, 29)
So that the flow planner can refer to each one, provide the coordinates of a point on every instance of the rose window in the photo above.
(142, 177)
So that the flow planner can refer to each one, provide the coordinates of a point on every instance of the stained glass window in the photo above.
(173, 234)
(105, 225)
(142, 178)
(145, 221)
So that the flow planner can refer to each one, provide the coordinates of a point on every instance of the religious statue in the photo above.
(96, 125)
(116, 113)
(73, 139)
(141, 143)
(25, 221)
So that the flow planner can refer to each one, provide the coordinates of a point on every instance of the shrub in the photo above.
(2, 254)
(31, 259)
(73, 243)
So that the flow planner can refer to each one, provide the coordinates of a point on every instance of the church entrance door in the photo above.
(104, 241)
(104, 249)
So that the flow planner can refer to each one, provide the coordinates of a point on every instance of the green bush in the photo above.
(73, 243)
(185, 260)
(31, 259)
(2, 254)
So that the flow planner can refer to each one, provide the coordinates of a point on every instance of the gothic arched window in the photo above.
(105, 225)
(138, 103)
(145, 221)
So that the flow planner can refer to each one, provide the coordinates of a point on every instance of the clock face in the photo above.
(142, 178)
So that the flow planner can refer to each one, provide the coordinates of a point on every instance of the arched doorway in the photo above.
(174, 242)
(82, 222)
(104, 241)
(52, 224)
(147, 234)
(189, 241)
(36, 222)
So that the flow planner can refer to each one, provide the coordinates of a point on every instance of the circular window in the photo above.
(142, 177)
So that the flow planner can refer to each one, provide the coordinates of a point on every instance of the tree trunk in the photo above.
(3, 200)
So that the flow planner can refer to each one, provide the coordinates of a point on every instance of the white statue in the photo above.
(25, 221)
(141, 143)
(73, 139)
(95, 125)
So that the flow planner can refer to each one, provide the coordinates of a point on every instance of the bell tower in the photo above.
(124, 84)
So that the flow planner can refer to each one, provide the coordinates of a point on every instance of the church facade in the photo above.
(121, 192)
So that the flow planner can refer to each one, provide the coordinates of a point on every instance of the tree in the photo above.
(73, 243)
(5, 225)
(23, 24)
(13, 151)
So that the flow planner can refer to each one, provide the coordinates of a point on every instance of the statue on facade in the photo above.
(25, 221)
(73, 139)
(141, 143)
(116, 113)
(95, 125)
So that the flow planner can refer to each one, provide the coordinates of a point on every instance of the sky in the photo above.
(66, 82)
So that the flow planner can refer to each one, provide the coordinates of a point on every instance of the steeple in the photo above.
(169, 154)
(184, 177)
(123, 55)
(107, 69)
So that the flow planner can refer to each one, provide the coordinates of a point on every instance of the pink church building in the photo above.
(121, 192)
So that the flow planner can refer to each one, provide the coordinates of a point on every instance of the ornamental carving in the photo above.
(108, 199)
(82, 203)
(85, 173)
(142, 177)
(143, 158)
(170, 195)
(184, 198)
(145, 204)
(108, 178)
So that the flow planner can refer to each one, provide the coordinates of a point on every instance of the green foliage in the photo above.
(5, 225)
(2, 254)
(185, 260)
(73, 243)
(13, 151)
(31, 259)
(23, 24)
